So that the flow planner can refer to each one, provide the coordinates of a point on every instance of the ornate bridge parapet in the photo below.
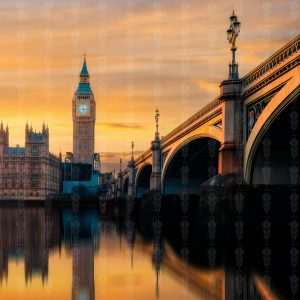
(277, 60)
(267, 91)
(266, 80)
(209, 111)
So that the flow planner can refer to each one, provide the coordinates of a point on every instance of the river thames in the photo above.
(97, 250)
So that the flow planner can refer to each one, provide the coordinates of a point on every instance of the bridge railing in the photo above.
(202, 112)
(143, 156)
(277, 58)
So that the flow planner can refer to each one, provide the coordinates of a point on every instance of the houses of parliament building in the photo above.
(29, 172)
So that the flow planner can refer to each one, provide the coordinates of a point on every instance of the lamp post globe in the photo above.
(232, 34)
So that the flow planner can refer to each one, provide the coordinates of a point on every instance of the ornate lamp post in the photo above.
(157, 115)
(155, 184)
(132, 147)
(232, 34)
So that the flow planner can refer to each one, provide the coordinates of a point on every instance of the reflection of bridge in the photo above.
(247, 130)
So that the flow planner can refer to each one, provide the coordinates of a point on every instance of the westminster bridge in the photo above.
(250, 131)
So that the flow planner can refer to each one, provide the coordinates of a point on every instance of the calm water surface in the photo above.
(59, 254)
(91, 252)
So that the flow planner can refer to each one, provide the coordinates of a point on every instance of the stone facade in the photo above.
(29, 172)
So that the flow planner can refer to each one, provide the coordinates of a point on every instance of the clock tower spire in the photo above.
(84, 116)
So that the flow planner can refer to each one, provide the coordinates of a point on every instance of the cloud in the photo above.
(117, 155)
(121, 125)
(208, 86)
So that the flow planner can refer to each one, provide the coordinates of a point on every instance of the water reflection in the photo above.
(92, 257)
(81, 238)
(28, 234)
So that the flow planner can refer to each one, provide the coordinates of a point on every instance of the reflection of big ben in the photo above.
(83, 286)
(84, 115)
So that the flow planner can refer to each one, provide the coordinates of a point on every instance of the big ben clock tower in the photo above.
(84, 115)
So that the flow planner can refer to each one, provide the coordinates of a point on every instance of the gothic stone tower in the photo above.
(84, 115)
(4, 136)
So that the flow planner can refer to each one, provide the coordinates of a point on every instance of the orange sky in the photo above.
(140, 54)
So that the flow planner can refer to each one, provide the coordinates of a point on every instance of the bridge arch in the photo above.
(142, 181)
(271, 132)
(200, 153)
(125, 187)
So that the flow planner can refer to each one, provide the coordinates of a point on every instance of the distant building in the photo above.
(29, 172)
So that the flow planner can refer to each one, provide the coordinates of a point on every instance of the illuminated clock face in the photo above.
(83, 109)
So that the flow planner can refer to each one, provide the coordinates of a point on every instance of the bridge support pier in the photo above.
(131, 179)
(230, 160)
(119, 185)
(226, 163)
(155, 180)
